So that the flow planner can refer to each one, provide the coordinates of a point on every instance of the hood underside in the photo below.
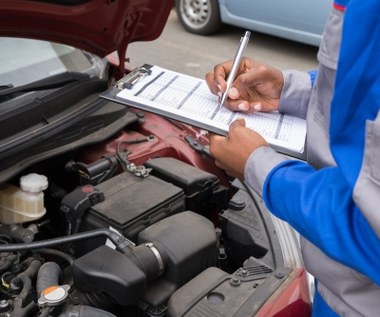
(98, 26)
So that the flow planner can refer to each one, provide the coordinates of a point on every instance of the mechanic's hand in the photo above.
(257, 86)
(231, 153)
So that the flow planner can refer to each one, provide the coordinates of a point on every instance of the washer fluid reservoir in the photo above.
(24, 203)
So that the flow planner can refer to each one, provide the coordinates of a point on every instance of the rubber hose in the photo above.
(48, 275)
(65, 256)
(116, 239)
(25, 278)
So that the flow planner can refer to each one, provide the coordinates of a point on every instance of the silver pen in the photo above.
(235, 66)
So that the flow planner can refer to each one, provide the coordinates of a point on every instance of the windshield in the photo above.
(23, 61)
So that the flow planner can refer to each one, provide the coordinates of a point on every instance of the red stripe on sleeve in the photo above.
(339, 7)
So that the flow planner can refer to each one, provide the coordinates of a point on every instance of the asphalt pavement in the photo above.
(195, 55)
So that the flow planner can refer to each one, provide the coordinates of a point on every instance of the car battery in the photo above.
(133, 203)
(201, 188)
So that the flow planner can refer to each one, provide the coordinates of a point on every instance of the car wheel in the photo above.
(199, 16)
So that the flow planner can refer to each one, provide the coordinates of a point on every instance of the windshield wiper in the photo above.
(51, 82)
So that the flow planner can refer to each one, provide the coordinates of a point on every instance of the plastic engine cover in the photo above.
(217, 293)
(190, 244)
(133, 203)
(111, 272)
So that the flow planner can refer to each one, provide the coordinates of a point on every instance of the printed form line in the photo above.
(279, 125)
(149, 83)
(192, 91)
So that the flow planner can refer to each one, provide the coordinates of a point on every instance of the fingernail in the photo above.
(242, 106)
(234, 93)
(219, 87)
(257, 106)
(220, 94)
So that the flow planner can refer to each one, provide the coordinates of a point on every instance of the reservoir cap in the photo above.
(33, 183)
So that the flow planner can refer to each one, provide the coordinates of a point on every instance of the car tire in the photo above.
(199, 16)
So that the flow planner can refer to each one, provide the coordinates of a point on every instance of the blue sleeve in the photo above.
(319, 205)
(313, 75)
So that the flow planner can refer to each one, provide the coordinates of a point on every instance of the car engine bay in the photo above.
(131, 219)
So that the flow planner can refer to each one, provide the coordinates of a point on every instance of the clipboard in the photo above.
(187, 99)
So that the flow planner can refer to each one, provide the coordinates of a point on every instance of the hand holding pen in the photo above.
(254, 87)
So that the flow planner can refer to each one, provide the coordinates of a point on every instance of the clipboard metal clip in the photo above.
(133, 77)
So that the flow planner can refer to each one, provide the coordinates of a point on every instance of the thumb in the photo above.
(237, 123)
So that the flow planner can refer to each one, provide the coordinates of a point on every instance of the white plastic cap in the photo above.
(33, 183)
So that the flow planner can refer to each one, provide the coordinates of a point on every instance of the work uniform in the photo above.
(333, 199)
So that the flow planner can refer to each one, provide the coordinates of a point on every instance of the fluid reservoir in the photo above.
(24, 203)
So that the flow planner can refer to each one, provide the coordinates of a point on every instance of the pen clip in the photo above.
(128, 81)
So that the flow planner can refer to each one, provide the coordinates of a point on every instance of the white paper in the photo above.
(189, 99)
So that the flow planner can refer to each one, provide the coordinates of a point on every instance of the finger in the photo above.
(221, 72)
(237, 123)
(210, 80)
(224, 167)
(256, 106)
(238, 105)
(237, 89)
(219, 164)
(215, 140)
(215, 144)
(234, 93)
(245, 106)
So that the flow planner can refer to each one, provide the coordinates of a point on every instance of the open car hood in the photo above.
(97, 26)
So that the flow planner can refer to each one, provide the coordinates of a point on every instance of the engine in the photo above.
(142, 224)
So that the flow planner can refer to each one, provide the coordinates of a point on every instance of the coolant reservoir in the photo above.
(24, 203)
